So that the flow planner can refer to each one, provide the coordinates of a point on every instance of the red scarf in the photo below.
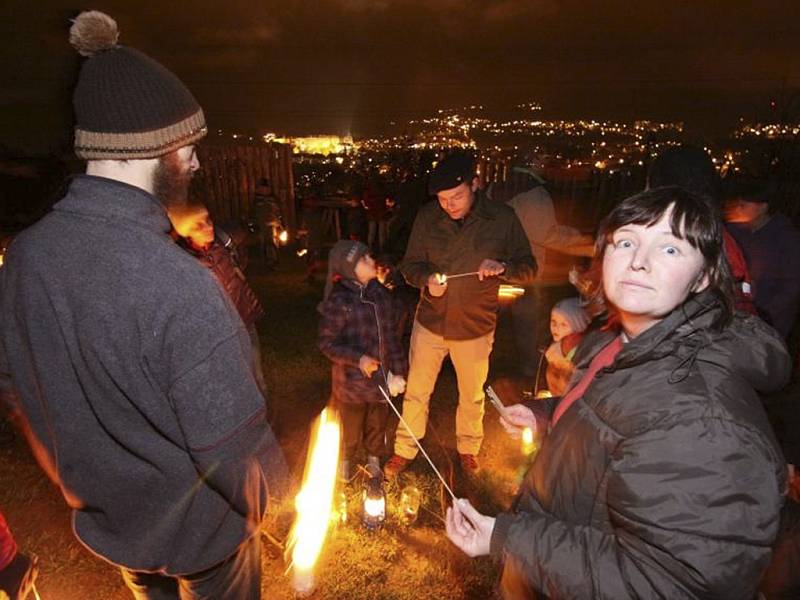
(8, 548)
(603, 359)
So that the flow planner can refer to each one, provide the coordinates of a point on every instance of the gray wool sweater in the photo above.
(132, 369)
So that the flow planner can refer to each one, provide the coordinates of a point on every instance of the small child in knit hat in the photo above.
(357, 333)
(568, 321)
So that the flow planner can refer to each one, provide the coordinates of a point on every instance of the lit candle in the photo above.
(529, 445)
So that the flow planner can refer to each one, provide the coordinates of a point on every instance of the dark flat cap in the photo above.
(453, 170)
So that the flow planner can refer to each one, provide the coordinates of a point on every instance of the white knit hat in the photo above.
(573, 312)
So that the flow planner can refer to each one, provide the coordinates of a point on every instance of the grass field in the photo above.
(397, 562)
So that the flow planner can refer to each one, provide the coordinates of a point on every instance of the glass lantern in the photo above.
(410, 499)
(374, 503)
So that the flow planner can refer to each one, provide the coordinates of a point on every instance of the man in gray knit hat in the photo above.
(130, 366)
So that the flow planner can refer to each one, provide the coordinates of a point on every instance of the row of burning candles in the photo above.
(318, 504)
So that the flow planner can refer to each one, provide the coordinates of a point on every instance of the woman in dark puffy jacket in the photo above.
(659, 476)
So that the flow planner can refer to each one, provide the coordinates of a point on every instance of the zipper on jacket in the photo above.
(380, 337)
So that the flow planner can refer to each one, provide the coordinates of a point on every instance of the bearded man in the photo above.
(129, 364)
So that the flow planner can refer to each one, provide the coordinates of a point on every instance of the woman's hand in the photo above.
(519, 417)
(468, 529)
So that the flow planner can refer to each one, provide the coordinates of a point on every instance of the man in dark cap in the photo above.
(130, 366)
(462, 233)
(771, 247)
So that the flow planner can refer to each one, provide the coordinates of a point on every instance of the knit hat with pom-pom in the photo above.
(126, 104)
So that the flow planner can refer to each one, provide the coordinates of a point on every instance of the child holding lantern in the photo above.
(358, 334)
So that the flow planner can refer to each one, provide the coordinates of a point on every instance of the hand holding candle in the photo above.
(368, 365)
(468, 529)
(516, 419)
(437, 285)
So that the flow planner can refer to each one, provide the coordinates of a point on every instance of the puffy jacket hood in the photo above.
(747, 346)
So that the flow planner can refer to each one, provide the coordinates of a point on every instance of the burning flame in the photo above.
(510, 291)
(283, 236)
(528, 441)
(315, 499)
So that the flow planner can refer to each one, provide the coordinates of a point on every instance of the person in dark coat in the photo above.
(358, 333)
(128, 364)
(481, 244)
(267, 214)
(659, 475)
(771, 247)
(216, 250)
(411, 194)
(376, 204)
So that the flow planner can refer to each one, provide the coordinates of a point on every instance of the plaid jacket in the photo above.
(355, 321)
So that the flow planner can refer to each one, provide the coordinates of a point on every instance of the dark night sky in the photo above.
(353, 65)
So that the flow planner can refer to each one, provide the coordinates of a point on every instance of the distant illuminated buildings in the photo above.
(768, 130)
(324, 145)
(569, 148)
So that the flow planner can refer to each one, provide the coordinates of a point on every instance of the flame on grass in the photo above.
(315, 500)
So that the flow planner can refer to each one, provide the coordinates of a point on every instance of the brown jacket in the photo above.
(229, 273)
(438, 244)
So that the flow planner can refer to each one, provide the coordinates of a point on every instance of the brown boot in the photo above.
(394, 466)
(469, 464)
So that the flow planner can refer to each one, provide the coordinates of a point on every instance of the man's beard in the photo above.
(171, 182)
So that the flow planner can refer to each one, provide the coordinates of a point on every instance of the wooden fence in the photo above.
(226, 183)
(228, 175)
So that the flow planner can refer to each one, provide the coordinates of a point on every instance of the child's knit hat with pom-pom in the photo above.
(127, 106)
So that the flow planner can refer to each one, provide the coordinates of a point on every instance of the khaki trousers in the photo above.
(471, 361)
